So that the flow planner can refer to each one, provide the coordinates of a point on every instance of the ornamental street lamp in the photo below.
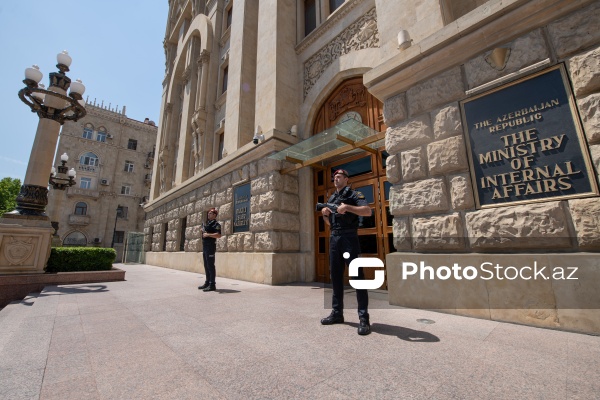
(54, 108)
(66, 177)
(26, 233)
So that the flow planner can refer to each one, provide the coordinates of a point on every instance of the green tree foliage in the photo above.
(9, 190)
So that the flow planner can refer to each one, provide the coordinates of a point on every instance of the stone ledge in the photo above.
(16, 287)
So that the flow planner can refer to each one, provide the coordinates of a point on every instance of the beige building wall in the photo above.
(111, 136)
(278, 76)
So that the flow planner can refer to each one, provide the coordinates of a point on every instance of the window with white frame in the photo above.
(88, 131)
(126, 189)
(101, 135)
(128, 166)
(89, 159)
(85, 183)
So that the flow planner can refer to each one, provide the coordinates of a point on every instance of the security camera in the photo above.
(258, 138)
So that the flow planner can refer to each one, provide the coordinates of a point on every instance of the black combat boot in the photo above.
(203, 286)
(333, 318)
(210, 288)
(364, 327)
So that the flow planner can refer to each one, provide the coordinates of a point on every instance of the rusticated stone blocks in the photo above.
(425, 196)
(447, 155)
(441, 89)
(585, 72)
(589, 109)
(444, 232)
(409, 134)
(541, 225)
(446, 122)
(576, 31)
(414, 165)
(586, 219)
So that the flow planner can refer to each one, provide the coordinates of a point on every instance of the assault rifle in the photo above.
(331, 206)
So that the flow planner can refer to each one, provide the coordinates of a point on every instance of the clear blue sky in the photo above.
(117, 52)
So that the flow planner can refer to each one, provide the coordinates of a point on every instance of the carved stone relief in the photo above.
(18, 250)
(349, 97)
(362, 34)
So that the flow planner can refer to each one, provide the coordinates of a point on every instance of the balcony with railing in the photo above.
(87, 168)
(80, 220)
(75, 191)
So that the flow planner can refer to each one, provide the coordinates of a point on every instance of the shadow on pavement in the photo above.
(227, 291)
(74, 290)
(409, 335)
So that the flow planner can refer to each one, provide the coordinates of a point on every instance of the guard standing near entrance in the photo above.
(345, 247)
(211, 231)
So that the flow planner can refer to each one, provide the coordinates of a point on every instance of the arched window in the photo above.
(81, 208)
(88, 131)
(89, 159)
(101, 135)
(75, 238)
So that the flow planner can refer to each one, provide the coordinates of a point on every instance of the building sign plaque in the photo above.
(241, 208)
(526, 143)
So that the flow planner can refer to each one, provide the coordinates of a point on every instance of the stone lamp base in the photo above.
(24, 243)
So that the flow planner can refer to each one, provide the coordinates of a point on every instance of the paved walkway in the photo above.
(155, 336)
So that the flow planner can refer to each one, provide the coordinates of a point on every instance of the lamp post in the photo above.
(64, 179)
(54, 108)
(25, 233)
(119, 210)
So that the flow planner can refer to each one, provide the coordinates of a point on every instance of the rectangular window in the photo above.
(87, 133)
(229, 17)
(310, 16)
(101, 136)
(221, 146)
(334, 5)
(182, 234)
(126, 189)
(119, 236)
(122, 212)
(128, 166)
(225, 78)
(165, 230)
(132, 144)
(85, 183)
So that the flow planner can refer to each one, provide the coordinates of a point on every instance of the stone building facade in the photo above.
(113, 157)
(282, 72)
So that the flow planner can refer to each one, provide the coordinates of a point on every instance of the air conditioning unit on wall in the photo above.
(104, 182)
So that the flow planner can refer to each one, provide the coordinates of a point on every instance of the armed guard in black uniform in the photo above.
(211, 231)
(344, 241)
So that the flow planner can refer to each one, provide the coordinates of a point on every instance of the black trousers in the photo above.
(338, 245)
(208, 255)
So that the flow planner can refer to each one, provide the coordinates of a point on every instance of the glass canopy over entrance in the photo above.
(341, 138)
